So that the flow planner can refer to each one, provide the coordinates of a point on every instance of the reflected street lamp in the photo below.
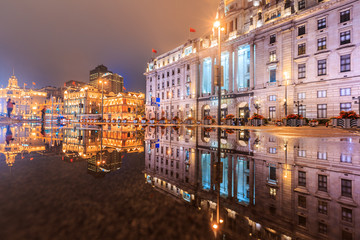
(102, 82)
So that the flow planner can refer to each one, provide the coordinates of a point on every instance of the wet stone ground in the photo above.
(46, 198)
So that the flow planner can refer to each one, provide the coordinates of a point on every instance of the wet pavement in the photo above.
(134, 182)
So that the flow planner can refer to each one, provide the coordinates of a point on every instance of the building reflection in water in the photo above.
(271, 187)
(103, 148)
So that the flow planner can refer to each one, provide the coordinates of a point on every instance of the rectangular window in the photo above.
(272, 98)
(272, 112)
(321, 44)
(321, 67)
(301, 4)
(345, 91)
(302, 178)
(321, 23)
(178, 81)
(301, 30)
(272, 75)
(346, 188)
(345, 63)
(272, 39)
(178, 93)
(345, 16)
(345, 107)
(272, 56)
(301, 71)
(321, 110)
(322, 207)
(301, 95)
(321, 94)
(345, 37)
(272, 150)
(272, 173)
(322, 183)
(345, 158)
(346, 214)
(301, 49)
(302, 153)
(322, 228)
(302, 221)
(322, 155)
(301, 201)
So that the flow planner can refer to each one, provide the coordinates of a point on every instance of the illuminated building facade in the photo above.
(271, 187)
(28, 102)
(80, 101)
(85, 101)
(280, 56)
(129, 105)
(115, 82)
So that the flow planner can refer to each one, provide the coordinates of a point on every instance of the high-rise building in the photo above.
(113, 82)
(278, 58)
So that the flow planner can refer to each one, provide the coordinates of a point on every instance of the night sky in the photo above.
(52, 41)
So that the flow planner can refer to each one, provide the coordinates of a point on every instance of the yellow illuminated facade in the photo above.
(28, 102)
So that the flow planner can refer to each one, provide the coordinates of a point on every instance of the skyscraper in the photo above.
(114, 82)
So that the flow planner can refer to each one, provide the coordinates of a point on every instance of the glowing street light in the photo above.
(102, 82)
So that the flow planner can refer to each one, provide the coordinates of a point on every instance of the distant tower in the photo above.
(115, 82)
(13, 82)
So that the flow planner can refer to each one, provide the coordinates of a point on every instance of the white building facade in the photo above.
(278, 58)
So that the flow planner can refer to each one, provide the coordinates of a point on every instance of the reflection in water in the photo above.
(271, 186)
(102, 148)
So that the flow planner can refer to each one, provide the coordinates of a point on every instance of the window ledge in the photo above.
(302, 190)
(347, 201)
(323, 195)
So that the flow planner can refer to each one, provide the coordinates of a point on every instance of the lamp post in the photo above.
(102, 98)
(357, 101)
(217, 25)
(297, 104)
(257, 106)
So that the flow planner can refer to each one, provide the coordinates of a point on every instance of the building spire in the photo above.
(13, 71)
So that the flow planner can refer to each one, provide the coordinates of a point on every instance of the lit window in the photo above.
(345, 91)
(321, 67)
(345, 107)
(345, 63)
(301, 49)
(321, 44)
(272, 56)
(345, 37)
(344, 16)
(301, 71)
(321, 94)
(321, 23)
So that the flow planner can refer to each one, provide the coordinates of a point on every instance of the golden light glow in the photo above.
(216, 24)
(215, 226)
(221, 220)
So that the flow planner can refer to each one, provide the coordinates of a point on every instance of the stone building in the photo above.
(279, 57)
(28, 102)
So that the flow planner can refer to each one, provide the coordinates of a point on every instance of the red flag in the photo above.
(124, 88)
(73, 83)
(192, 30)
(154, 51)
(34, 83)
(25, 84)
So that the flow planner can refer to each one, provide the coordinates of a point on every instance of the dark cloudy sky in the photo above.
(52, 41)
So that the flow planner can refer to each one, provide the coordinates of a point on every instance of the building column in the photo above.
(212, 76)
(236, 53)
(201, 63)
(252, 67)
(231, 79)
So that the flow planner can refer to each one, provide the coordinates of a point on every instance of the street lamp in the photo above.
(357, 102)
(217, 25)
(298, 104)
(257, 106)
(102, 82)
